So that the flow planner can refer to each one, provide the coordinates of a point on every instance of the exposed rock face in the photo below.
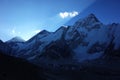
(57, 50)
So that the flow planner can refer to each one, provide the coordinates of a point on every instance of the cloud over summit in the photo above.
(68, 14)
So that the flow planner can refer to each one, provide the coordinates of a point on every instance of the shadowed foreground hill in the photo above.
(17, 69)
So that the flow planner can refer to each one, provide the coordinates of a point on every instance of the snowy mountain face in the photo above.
(87, 39)
(14, 44)
(15, 39)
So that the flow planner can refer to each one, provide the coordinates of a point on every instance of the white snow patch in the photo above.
(82, 55)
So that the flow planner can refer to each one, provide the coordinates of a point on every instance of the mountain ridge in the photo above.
(87, 39)
(16, 39)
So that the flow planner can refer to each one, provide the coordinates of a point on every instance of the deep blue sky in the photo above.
(26, 17)
(107, 11)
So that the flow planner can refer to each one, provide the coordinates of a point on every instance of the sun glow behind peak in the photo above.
(26, 18)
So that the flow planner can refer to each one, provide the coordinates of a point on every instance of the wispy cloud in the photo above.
(13, 31)
(37, 31)
(68, 14)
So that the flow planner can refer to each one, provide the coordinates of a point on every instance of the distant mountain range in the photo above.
(87, 39)
(86, 50)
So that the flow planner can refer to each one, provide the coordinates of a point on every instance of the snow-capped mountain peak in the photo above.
(90, 22)
(44, 32)
(91, 18)
(15, 39)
